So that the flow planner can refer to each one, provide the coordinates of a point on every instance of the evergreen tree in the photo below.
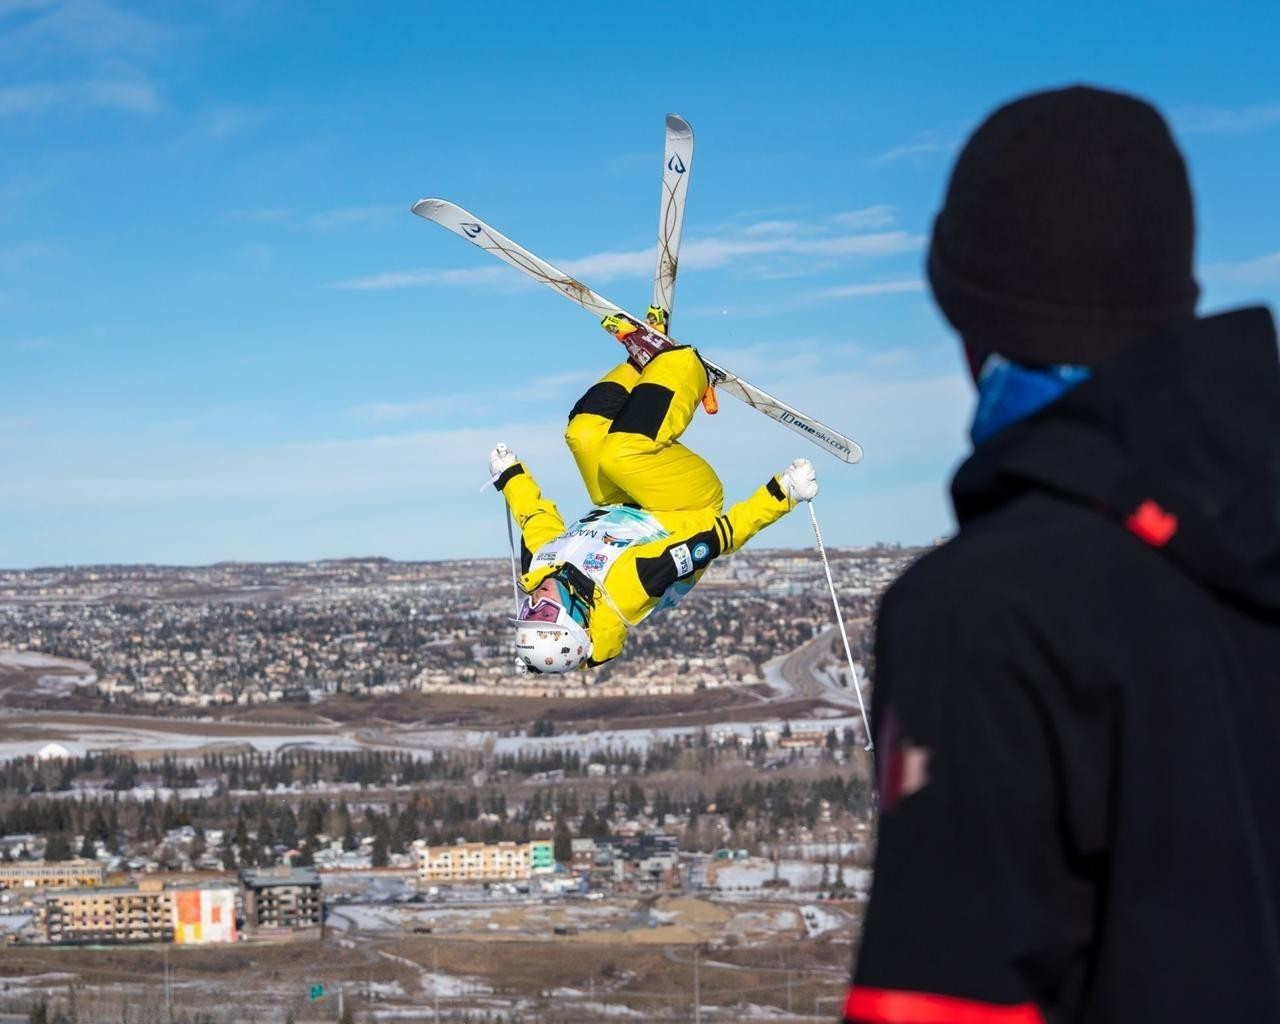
(563, 842)
(315, 819)
(287, 830)
(58, 847)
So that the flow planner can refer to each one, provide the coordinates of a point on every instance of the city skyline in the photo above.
(226, 338)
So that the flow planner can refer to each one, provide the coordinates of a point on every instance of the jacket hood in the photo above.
(1178, 440)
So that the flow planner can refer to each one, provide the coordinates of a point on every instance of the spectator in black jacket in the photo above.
(1077, 705)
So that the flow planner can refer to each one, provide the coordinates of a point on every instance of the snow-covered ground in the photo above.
(819, 920)
(59, 676)
(618, 740)
(442, 985)
(802, 877)
(148, 737)
(752, 924)
(37, 981)
(35, 659)
(581, 1004)
(12, 923)
(152, 736)
(752, 874)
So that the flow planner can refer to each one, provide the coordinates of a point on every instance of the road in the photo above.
(799, 674)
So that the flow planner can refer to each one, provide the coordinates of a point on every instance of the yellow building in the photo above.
(131, 913)
(485, 862)
(54, 874)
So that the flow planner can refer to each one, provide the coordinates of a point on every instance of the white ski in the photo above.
(677, 163)
(478, 233)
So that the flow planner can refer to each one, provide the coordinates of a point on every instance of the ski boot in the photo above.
(641, 341)
(645, 341)
(658, 318)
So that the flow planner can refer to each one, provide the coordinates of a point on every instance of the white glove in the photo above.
(501, 459)
(799, 480)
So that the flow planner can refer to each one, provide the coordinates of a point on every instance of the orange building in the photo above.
(206, 914)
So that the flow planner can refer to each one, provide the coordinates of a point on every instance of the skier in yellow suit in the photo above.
(658, 520)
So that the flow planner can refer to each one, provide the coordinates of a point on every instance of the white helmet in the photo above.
(551, 633)
(553, 648)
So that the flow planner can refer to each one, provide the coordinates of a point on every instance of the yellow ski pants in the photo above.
(624, 434)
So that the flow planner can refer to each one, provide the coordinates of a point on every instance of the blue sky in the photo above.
(223, 336)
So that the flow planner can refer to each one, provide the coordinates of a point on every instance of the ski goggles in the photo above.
(545, 608)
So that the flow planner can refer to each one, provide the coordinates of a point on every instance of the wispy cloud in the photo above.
(475, 405)
(927, 144)
(262, 215)
(772, 227)
(417, 278)
(125, 89)
(319, 220)
(225, 120)
(853, 291)
(866, 219)
(79, 27)
(75, 56)
(1265, 270)
(714, 253)
(1223, 121)
(347, 216)
(426, 408)
(841, 236)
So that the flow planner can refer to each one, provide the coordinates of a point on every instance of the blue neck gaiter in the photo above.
(1008, 392)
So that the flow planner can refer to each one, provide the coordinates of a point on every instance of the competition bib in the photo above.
(594, 542)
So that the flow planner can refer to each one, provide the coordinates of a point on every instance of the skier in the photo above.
(658, 519)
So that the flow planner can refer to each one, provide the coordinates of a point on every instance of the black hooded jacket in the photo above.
(1077, 710)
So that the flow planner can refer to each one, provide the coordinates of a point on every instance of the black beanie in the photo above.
(1067, 230)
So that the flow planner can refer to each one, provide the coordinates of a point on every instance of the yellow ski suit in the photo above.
(624, 435)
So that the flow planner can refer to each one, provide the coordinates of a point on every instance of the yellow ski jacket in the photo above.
(634, 579)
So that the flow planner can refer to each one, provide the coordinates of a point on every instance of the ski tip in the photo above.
(676, 123)
(426, 207)
(855, 453)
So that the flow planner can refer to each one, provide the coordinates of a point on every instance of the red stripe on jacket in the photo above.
(888, 1006)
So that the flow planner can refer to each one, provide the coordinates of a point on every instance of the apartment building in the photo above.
(105, 915)
(282, 898)
(485, 862)
(149, 911)
(54, 874)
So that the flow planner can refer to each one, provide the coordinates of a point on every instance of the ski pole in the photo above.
(853, 672)
(511, 543)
